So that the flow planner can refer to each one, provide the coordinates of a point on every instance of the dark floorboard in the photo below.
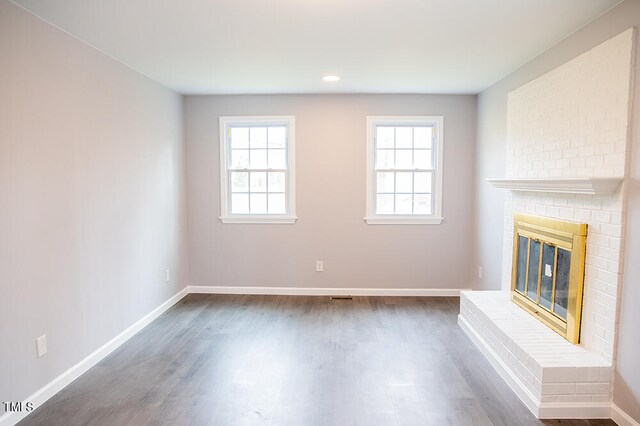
(285, 360)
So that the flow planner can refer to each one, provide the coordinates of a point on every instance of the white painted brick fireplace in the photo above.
(572, 122)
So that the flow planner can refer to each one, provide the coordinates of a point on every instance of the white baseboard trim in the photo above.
(622, 418)
(542, 410)
(325, 291)
(575, 410)
(56, 385)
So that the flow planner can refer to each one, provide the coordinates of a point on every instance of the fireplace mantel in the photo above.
(589, 186)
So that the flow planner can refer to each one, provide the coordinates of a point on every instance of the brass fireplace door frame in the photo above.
(568, 236)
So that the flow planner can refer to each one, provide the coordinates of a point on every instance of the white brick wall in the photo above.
(573, 122)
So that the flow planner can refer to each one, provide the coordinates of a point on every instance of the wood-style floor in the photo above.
(276, 360)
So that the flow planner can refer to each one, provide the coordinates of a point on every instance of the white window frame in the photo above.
(438, 148)
(226, 216)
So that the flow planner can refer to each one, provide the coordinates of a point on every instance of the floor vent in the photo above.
(341, 298)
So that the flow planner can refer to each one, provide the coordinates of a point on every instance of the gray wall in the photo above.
(490, 202)
(330, 181)
(91, 199)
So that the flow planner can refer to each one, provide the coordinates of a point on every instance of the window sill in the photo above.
(283, 220)
(403, 220)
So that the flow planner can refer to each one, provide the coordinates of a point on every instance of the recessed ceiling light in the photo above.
(331, 78)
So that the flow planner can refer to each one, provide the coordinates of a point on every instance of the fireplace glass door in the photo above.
(548, 271)
(543, 274)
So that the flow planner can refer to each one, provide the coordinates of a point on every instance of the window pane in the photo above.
(384, 159)
(258, 137)
(258, 158)
(385, 182)
(258, 203)
(422, 204)
(404, 136)
(404, 182)
(384, 137)
(422, 182)
(258, 182)
(240, 203)
(239, 182)
(277, 159)
(404, 167)
(276, 181)
(239, 137)
(239, 158)
(422, 159)
(384, 204)
(277, 137)
(422, 137)
(403, 204)
(277, 204)
(404, 159)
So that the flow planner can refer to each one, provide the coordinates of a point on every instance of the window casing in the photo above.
(257, 173)
(404, 170)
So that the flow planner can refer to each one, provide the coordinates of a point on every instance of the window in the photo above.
(404, 170)
(257, 170)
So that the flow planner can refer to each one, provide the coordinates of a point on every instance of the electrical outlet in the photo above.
(41, 345)
(168, 274)
(319, 266)
(479, 271)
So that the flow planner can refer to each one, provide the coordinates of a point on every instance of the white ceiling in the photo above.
(285, 46)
